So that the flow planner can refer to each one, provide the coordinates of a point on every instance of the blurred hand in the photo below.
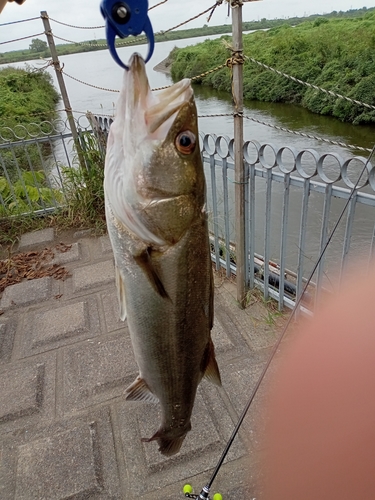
(321, 431)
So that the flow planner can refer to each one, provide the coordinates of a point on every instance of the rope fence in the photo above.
(232, 61)
(22, 38)
(21, 21)
(310, 85)
(229, 63)
(219, 115)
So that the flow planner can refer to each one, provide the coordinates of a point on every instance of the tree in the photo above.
(37, 45)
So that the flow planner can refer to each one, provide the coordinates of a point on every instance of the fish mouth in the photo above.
(156, 111)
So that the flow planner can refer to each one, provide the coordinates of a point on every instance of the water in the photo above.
(99, 69)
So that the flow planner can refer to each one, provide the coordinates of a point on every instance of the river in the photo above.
(99, 69)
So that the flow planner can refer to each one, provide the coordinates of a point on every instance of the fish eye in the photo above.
(185, 142)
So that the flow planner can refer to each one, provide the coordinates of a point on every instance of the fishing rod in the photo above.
(204, 494)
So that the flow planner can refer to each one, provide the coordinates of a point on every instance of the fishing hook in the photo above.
(126, 18)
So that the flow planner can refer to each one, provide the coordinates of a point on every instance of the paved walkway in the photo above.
(66, 431)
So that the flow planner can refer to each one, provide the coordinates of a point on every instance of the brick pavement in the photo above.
(66, 431)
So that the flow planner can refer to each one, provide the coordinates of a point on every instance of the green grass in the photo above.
(26, 96)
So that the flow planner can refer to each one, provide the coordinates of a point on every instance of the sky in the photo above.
(171, 13)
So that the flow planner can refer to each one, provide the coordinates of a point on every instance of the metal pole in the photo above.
(237, 68)
(61, 82)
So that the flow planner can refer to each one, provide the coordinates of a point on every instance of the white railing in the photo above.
(294, 197)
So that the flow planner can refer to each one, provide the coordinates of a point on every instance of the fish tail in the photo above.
(167, 446)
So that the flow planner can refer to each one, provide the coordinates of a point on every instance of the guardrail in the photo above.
(32, 162)
(293, 198)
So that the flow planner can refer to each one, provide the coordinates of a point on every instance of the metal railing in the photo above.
(293, 198)
(32, 162)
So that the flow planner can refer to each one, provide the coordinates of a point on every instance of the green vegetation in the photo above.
(81, 202)
(84, 188)
(37, 45)
(26, 96)
(336, 54)
(38, 48)
(30, 192)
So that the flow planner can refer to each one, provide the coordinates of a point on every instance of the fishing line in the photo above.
(206, 489)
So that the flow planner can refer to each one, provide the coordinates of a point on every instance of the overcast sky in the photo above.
(87, 13)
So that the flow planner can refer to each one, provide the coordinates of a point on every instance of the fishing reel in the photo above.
(125, 18)
(188, 492)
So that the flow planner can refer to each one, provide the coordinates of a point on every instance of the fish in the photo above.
(156, 217)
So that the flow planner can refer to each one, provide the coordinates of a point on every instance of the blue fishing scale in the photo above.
(123, 19)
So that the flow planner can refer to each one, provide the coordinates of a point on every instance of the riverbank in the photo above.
(332, 54)
(26, 96)
(164, 66)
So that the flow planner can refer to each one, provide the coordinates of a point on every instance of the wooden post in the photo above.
(61, 82)
(237, 68)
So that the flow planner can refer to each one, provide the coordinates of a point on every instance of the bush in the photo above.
(336, 54)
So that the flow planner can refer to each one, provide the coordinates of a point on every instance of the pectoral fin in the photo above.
(139, 391)
(121, 294)
(145, 263)
(209, 365)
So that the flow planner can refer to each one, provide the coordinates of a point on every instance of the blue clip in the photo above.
(124, 19)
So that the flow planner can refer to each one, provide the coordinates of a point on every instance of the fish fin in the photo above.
(144, 262)
(121, 294)
(167, 446)
(209, 365)
(139, 391)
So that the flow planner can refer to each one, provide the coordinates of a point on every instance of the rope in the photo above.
(237, 58)
(81, 43)
(302, 134)
(277, 345)
(157, 5)
(21, 21)
(155, 89)
(78, 27)
(310, 85)
(308, 136)
(88, 84)
(213, 9)
(23, 38)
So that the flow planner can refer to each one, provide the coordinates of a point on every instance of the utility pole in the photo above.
(239, 173)
(60, 80)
